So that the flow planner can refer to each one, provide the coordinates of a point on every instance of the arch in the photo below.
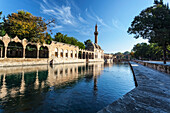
(43, 52)
(80, 55)
(56, 52)
(31, 51)
(71, 54)
(92, 55)
(15, 50)
(66, 53)
(87, 55)
(2, 49)
(61, 53)
(75, 54)
(84, 55)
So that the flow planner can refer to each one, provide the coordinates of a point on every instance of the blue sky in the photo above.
(77, 18)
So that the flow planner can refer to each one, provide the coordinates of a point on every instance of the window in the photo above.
(71, 54)
(75, 54)
(66, 53)
(61, 53)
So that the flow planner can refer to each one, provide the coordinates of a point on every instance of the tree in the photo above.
(87, 42)
(141, 51)
(59, 37)
(146, 51)
(153, 24)
(25, 25)
(126, 53)
(81, 45)
(48, 39)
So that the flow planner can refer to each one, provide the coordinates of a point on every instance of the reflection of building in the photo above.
(43, 53)
(108, 58)
(15, 80)
(121, 57)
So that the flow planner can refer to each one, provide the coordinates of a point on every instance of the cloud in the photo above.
(81, 19)
(70, 18)
(118, 25)
(100, 20)
(62, 14)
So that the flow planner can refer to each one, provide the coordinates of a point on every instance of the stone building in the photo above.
(18, 52)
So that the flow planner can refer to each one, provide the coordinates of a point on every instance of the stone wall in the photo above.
(159, 67)
(33, 61)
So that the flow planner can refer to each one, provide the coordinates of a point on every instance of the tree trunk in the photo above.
(164, 53)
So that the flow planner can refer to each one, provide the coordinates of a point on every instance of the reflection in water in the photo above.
(58, 88)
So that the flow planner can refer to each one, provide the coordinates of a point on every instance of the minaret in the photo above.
(96, 34)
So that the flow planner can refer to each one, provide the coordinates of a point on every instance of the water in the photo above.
(73, 88)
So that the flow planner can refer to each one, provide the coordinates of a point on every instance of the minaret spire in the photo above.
(96, 34)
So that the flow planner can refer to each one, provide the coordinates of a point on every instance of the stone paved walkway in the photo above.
(151, 96)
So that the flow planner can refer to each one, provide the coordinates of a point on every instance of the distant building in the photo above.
(108, 58)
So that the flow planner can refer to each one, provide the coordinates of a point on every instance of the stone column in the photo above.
(81, 55)
(23, 52)
(68, 54)
(58, 53)
(5, 52)
(37, 53)
(85, 55)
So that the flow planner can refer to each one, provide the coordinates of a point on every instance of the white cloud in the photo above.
(118, 25)
(70, 18)
(81, 19)
(62, 14)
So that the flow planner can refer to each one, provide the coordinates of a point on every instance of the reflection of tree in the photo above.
(42, 76)
(13, 80)
(30, 78)
(1, 80)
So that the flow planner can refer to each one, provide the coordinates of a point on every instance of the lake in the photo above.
(73, 88)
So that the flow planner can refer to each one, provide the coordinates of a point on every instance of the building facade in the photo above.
(12, 49)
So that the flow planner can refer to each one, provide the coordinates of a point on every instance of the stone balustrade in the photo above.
(159, 67)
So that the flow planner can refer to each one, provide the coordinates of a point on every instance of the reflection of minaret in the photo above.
(22, 88)
(4, 89)
(95, 83)
(96, 34)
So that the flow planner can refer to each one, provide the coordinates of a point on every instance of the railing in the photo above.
(159, 67)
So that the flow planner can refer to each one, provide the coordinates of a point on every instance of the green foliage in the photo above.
(25, 25)
(146, 51)
(48, 39)
(59, 37)
(87, 41)
(81, 45)
(153, 24)
(126, 53)
(118, 53)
